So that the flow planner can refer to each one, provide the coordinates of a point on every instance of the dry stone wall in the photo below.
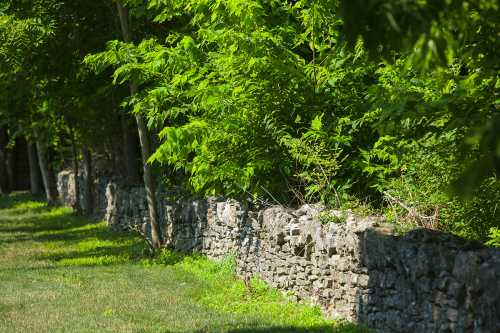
(359, 269)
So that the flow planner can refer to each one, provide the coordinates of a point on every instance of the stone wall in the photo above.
(358, 268)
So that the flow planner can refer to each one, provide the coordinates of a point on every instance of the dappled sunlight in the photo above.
(67, 240)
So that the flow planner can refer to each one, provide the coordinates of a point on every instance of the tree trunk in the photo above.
(77, 210)
(10, 169)
(41, 150)
(4, 177)
(89, 181)
(129, 150)
(53, 184)
(149, 184)
(36, 188)
(4, 182)
(4, 185)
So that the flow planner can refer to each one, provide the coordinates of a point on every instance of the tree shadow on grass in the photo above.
(20, 210)
(100, 255)
(63, 226)
(41, 223)
(15, 198)
(74, 239)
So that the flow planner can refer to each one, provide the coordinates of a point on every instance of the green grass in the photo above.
(60, 273)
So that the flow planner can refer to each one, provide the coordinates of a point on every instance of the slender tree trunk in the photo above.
(36, 188)
(53, 183)
(89, 181)
(149, 182)
(4, 182)
(4, 185)
(129, 150)
(77, 210)
(41, 150)
(10, 169)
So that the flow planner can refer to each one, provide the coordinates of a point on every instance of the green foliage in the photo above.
(494, 237)
(232, 96)
(44, 94)
(21, 42)
(337, 217)
(274, 104)
(421, 154)
(457, 38)
(164, 257)
(317, 163)
(291, 101)
(431, 32)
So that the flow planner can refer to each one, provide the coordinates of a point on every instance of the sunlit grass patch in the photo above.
(27, 207)
(91, 244)
(228, 294)
(94, 260)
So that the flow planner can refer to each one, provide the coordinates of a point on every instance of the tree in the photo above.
(149, 183)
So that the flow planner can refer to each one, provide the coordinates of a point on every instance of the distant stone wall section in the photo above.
(424, 281)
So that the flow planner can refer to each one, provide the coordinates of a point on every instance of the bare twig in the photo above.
(272, 197)
(248, 285)
(430, 222)
(138, 229)
(299, 196)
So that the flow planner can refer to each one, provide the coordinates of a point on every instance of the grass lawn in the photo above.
(60, 273)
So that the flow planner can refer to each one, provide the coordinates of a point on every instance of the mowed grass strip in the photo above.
(60, 273)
